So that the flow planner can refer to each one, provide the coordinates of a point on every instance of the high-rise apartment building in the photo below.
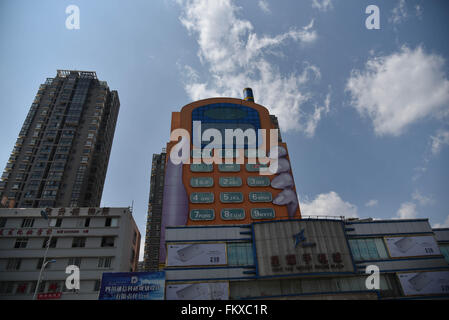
(60, 157)
(153, 229)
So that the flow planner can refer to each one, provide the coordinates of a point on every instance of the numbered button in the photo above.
(258, 181)
(202, 214)
(233, 214)
(231, 197)
(201, 182)
(255, 167)
(230, 182)
(229, 167)
(260, 197)
(263, 213)
(201, 167)
(202, 197)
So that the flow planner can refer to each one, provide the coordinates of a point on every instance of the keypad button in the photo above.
(255, 153)
(255, 167)
(231, 197)
(201, 167)
(259, 181)
(202, 214)
(198, 153)
(233, 214)
(229, 153)
(201, 197)
(263, 213)
(229, 167)
(201, 182)
(260, 197)
(230, 182)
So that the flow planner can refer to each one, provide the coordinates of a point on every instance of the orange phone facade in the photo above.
(183, 119)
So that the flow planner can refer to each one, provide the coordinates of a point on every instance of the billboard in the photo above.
(412, 246)
(196, 254)
(132, 286)
(302, 246)
(424, 283)
(198, 291)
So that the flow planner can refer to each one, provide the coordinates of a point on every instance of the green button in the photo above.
(201, 197)
(253, 153)
(202, 214)
(258, 181)
(260, 197)
(201, 182)
(201, 167)
(205, 153)
(231, 197)
(254, 167)
(229, 167)
(230, 181)
(229, 153)
(263, 213)
(233, 214)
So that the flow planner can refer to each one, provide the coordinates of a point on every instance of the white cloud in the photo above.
(322, 5)
(436, 144)
(407, 211)
(236, 57)
(445, 224)
(372, 203)
(263, 5)
(400, 13)
(398, 90)
(328, 204)
(438, 141)
(422, 200)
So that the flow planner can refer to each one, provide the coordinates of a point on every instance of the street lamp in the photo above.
(44, 263)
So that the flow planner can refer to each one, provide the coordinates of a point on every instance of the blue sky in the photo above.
(364, 112)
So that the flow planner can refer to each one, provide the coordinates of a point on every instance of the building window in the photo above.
(368, 249)
(444, 248)
(75, 261)
(21, 243)
(111, 222)
(56, 222)
(240, 254)
(79, 242)
(133, 255)
(104, 262)
(13, 264)
(52, 243)
(97, 285)
(22, 288)
(27, 223)
(2, 222)
(107, 241)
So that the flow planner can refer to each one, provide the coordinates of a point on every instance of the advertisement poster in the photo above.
(198, 291)
(132, 286)
(423, 283)
(196, 254)
(412, 246)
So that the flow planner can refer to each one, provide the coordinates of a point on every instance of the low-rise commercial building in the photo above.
(96, 240)
(307, 258)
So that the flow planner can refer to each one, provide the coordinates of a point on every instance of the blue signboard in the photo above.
(132, 286)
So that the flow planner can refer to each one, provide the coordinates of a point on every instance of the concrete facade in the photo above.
(95, 239)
